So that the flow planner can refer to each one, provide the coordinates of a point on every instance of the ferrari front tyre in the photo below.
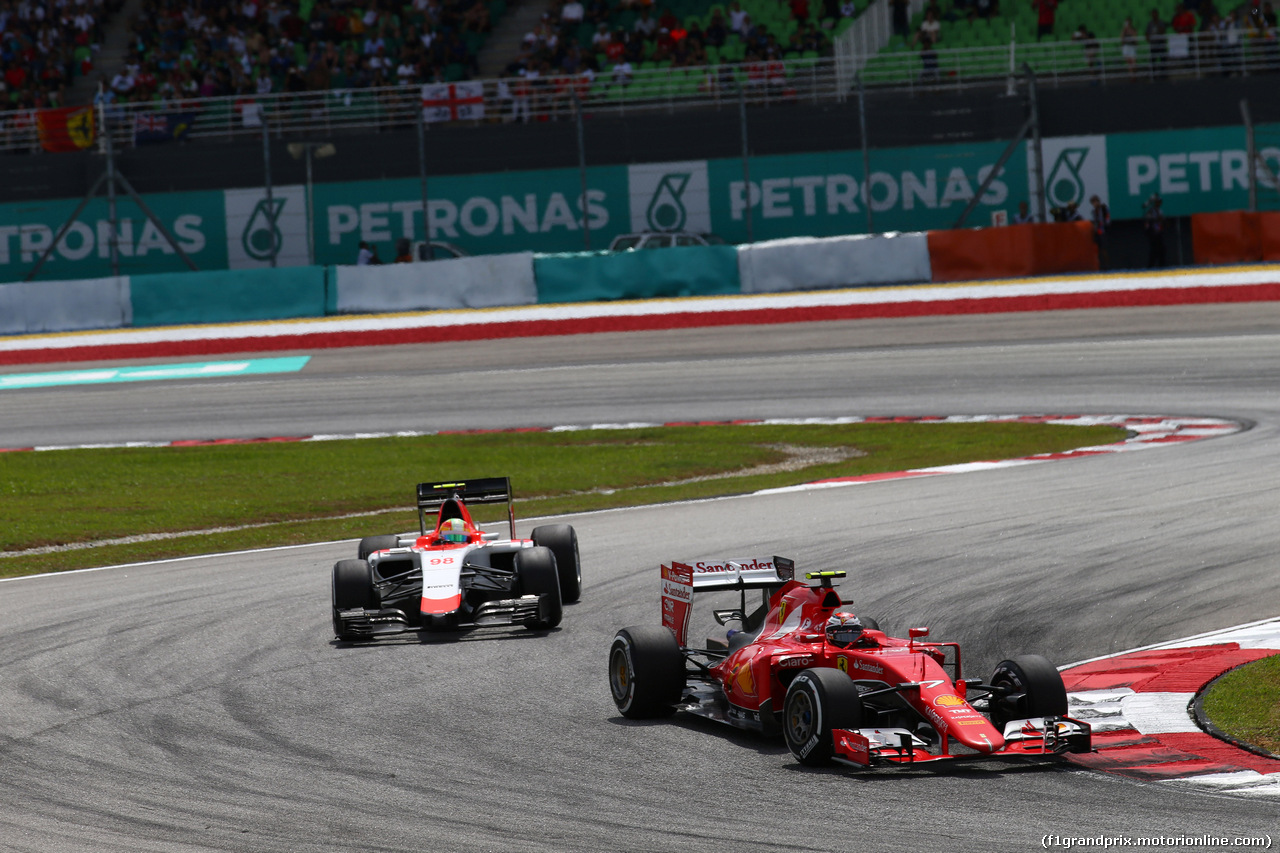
(563, 542)
(369, 544)
(818, 701)
(536, 570)
(1033, 688)
(646, 671)
(352, 590)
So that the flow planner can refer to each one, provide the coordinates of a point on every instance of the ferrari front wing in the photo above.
(368, 623)
(1038, 737)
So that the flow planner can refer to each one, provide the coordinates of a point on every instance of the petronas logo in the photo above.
(666, 209)
(261, 236)
(1065, 184)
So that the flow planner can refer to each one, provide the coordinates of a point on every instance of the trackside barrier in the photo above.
(803, 263)
(1012, 251)
(483, 281)
(643, 274)
(65, 306)
(1235, 236)
(228, 296)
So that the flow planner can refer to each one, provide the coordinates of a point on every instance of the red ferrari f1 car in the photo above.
(835, 685)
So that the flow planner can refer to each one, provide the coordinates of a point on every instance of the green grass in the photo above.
(73, 502)
(1245, 703)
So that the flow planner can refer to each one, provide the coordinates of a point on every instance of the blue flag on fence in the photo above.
(150, 128)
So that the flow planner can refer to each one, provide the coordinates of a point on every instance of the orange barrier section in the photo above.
(1013, 251)
(1229, 237)
(1269, 230)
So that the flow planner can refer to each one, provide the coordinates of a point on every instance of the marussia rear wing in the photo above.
(486, 490)
(681, 580)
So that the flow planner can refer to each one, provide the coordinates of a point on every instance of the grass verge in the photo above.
(72, 509)
(1245, 704)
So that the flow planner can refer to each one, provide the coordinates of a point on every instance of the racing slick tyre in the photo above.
(369, 544)
(352, 588)
(646, 671)
(563, 542)
(536, 569)
(819, 700)
(1034, 688)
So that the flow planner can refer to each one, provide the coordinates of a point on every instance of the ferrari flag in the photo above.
(66, 128)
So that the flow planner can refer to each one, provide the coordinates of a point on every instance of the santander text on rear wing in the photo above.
(681, 580)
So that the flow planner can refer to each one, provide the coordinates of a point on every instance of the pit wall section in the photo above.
(524, 278)
(1236, 236)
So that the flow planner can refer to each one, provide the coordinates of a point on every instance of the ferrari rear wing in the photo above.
(485, 490)
(681, 580)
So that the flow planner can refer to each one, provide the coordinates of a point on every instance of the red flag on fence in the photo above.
(66, 128)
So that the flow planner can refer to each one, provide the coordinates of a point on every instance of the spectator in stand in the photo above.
(738, 18)
(1046, 14)
(1101, 221)
(716, 32)
(987, 8)
(1024, 216)
(601, 37)
(572, 13)
(1183, 21)
(668, 20)
(645, 26)
(901, 17)
(928, 58)
(1089, 42)
(799, 10)
(1129, 46)
(1157, 41)
(930, 32)
(1153, 223)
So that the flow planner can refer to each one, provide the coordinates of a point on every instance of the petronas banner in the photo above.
(819, 195)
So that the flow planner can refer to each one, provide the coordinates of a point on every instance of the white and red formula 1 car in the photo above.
(834, 685)
(452, 575)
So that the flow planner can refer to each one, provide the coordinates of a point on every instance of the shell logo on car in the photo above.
(948, 701)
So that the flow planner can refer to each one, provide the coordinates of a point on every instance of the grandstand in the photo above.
(320, 66)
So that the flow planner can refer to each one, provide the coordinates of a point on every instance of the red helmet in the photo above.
(843, 629)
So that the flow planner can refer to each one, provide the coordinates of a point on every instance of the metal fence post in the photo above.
(582, 168)
(271, 207)
(746, 160)
(866, 155)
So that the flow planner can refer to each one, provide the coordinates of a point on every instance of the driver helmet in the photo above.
(843, 629)
(454, 530)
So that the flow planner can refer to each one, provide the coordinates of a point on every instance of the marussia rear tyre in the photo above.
(1034, 688)
(369, 544)
(646, 671)
(563, 542)
(818, 701)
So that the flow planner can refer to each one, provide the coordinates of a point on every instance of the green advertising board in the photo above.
(825, 194)
(196, 220)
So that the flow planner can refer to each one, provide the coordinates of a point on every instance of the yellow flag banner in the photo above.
(66, 128)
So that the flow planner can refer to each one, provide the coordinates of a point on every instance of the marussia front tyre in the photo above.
(646, 671)
(818, 701)
(536, 570)
(352, 589)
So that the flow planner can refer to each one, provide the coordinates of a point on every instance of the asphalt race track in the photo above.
(204, 705)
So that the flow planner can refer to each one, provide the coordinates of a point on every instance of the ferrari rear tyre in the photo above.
(563, 542)
(536, 570)
(369, 544)
(352, 589)
(646, 671)
(818, 701)
(1035, 689)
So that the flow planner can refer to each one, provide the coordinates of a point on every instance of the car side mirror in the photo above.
(917, 633)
